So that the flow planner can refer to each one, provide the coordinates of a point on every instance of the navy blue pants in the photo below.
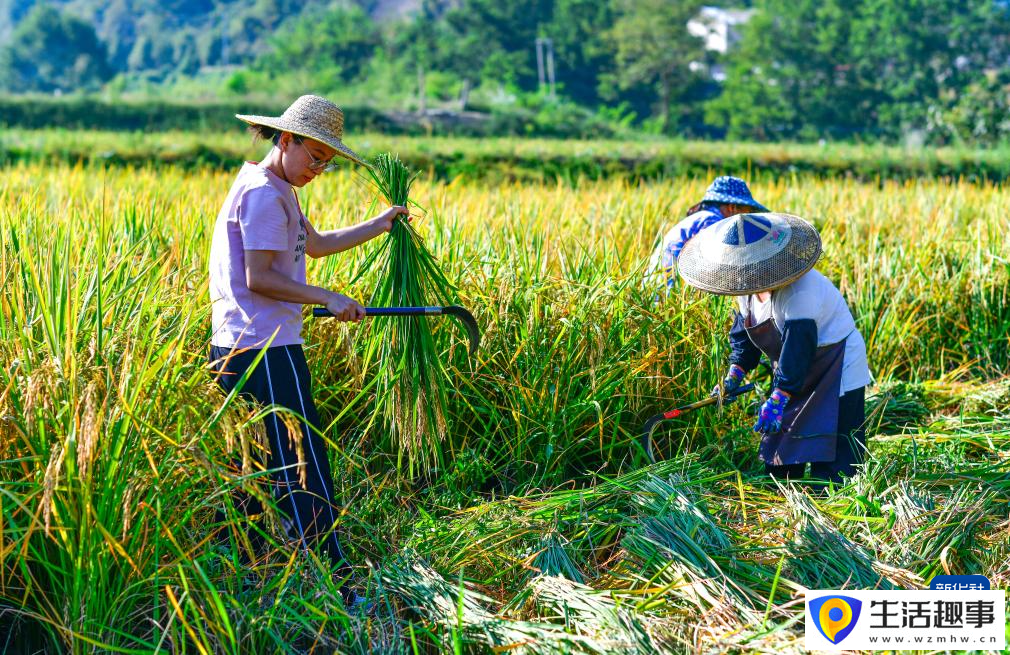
(851, 443)
(282, 378)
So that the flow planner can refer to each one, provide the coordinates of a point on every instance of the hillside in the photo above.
(186, 35)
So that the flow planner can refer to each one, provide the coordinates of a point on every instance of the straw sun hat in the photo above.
(750, 253)
(313, 117)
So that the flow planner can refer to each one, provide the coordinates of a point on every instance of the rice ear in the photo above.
(411, 394)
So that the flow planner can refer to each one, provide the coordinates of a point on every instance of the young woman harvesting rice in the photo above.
(258, 287)
(796, 317)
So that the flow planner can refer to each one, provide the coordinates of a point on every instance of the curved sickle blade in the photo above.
(645, 441)
(469, 322)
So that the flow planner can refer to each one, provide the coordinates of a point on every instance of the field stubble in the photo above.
(542, 533)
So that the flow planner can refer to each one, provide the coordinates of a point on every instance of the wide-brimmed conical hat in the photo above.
(750, 253)
(313, 117)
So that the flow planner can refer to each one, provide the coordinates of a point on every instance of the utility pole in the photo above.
(422, 91)
(540, 63)
(464, 94)
(550, 66)
(545, 52)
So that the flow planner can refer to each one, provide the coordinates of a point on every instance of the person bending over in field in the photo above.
(796, 317)
(257, 289)
(725, 197)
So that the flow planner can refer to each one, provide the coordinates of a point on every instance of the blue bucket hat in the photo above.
(730, 190)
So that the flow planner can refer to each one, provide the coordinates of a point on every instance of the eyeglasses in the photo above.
(318, 164)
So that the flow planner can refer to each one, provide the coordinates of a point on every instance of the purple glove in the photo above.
(770, 415)
(730, 383)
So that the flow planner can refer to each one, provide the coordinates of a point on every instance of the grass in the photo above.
(539, 160)
(542, 532)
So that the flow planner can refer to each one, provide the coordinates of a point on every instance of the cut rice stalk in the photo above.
(411, 389)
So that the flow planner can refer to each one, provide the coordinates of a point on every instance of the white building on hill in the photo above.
(720, 29)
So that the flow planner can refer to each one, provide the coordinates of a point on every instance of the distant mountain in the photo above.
(161, 35)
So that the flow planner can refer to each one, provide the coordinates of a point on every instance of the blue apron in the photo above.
(810, 421)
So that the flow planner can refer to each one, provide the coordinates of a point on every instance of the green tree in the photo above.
(418, 44)
(838, 68)
(51, 51)
(336, 43)
(791, 70)
(653, 48)
(497, 40)
(184, 54)
(141, 55)
(578, 29)
(980, 114)
(909, 55)
(11, 13)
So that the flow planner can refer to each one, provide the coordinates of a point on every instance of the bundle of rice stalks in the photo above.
(550, 557)
(555, 590)
(991, 398)
(820, 556)
(895, 407)
(594, 614)
(953, 539)
(411, 385)
(462, 618)
(884, 519)
(553, 558)
(674, 544)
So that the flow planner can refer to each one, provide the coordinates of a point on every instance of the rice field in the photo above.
(543, 531)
